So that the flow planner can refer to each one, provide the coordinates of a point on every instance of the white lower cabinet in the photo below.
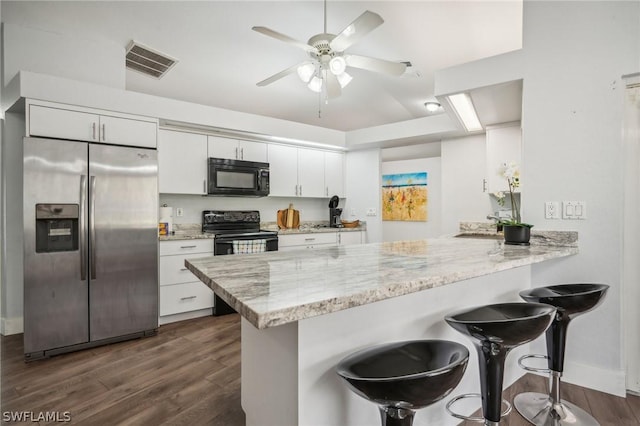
(182, 294)
(292, 242)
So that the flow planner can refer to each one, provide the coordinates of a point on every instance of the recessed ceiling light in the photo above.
(432, 106)
(463, 107)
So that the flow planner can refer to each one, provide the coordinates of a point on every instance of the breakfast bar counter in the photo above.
(303, 311)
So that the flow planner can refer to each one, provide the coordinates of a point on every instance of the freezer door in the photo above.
(123, 240)
(55, 279)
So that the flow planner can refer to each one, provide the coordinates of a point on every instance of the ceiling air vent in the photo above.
(148, 61)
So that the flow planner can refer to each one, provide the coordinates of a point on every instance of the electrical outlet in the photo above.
(179, 212)
(371, 211)
(552, 210)
(353, 212)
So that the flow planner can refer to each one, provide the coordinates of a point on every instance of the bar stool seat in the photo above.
(571, 300)
(402, 377)
(495, 330)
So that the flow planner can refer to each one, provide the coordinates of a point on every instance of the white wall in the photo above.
(397, 230)
(311, 209)
(64, 55)
(463, 163)
(362, 189)
(572, 141)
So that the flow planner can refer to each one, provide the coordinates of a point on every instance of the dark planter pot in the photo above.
(516, 234)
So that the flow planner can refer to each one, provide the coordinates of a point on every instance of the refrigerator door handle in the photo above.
(83, 227)
(92, 224)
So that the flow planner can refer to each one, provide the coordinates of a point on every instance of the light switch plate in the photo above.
(574, 210)
(371, 211)
(179, 211)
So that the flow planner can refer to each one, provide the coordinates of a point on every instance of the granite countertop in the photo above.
(274, 288)
(193, 231)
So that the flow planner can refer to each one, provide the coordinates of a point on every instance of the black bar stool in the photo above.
(494, 331)
(570, 300)
(402, 377)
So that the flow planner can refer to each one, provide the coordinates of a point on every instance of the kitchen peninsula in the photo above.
(303, 311)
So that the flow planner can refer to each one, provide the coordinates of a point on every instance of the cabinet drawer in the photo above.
(187, 246)
(173, 271)
(178, 298)
(307, 239)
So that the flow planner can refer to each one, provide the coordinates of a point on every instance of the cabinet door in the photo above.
(182, 162)
(63, 124)
(283, 170)
(350, 237)
(334, 174)
(253, 151)
(311, 173)
(126, 131)
(223, 148)
(503, 146)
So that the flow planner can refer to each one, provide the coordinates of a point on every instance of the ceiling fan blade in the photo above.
(375, 64)
(333, 86)
(359, 28)
(279, 36)
(279, 75)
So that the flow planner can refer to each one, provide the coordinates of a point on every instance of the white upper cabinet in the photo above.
(283, 170)
(296, 172)
(311, 173)
(334, 174)
(504, 145)
(83, 124)
(237, 149)
(182, 162)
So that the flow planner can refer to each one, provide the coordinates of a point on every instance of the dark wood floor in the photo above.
(189, 374)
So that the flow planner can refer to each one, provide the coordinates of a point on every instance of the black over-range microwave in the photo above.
(238, 178)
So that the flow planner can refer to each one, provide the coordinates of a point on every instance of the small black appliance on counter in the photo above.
(334, 213)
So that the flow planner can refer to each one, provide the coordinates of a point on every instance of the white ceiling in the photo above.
(221, 59)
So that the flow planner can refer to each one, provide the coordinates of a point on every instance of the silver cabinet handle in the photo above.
(93, 126)
(83, 227)
(484, 185)
(204, 186)
(237, 157)
(186, 247)
(104, 133)
(301, 190)
(92, 224)
(188, 297)
(326, 191)
(309, 239)
(242, 153)
(183, 269)
(339, 238)
(296, 190)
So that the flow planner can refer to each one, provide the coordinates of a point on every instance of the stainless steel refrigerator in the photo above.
(90, 245)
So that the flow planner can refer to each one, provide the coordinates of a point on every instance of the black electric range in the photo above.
(233, 229)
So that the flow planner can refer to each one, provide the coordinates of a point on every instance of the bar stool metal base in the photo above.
(540, 410)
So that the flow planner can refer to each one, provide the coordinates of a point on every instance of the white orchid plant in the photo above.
(511, 173)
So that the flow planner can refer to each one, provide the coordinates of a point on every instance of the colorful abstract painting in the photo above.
(404, 197)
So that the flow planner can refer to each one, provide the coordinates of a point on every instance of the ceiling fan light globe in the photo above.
(306, 71)
(337, 65)
(315, 85)
(344, 79)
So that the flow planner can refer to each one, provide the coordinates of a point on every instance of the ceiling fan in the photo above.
(325, 70)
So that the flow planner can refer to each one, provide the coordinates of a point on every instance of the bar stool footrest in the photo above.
(473, 418)
(533, 369)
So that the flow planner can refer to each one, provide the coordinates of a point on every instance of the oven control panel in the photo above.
(230, 216)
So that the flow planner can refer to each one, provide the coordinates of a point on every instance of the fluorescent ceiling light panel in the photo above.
(463, 106)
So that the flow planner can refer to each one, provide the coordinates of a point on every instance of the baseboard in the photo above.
(9, 326)
(608, 381)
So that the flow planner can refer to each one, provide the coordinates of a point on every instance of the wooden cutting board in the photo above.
(282, 219)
